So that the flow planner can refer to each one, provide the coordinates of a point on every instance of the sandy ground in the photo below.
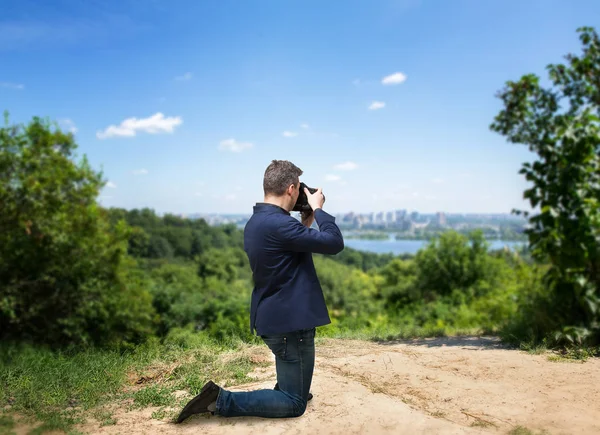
(432, 386)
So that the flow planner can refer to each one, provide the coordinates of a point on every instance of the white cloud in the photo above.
(154, 124)
(68, 124)
(185, 77)
(198, 193)
(394, 79)
(230, 197)
(234, 146)
(346, 166)
(331, 177)
(140, 172)
(305, 126)
(17, 86)
(437, 180)
(111, 185)
(376, 105)
(289, 134)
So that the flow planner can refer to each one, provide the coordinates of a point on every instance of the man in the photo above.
(287, 301)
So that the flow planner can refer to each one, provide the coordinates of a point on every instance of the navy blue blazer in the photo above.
(287, 295)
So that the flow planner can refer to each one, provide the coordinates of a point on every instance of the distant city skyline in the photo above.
(384, 104)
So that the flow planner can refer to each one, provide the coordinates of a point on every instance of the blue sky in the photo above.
(385, 104)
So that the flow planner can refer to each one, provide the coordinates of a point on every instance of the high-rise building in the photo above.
(441, 219)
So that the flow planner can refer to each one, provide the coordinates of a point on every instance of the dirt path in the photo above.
(437, 386)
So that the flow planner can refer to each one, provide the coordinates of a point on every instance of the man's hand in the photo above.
(315, 200)
(308, 217)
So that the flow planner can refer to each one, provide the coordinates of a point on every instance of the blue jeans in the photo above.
(294, 360)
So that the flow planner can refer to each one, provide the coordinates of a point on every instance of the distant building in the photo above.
(441, 219)
(400, 214)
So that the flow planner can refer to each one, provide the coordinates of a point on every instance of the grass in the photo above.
(62, 389)
(7, 423)
(521, 430)
(389, 333)
(576, 355)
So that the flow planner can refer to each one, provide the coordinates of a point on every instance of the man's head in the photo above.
(281, 183)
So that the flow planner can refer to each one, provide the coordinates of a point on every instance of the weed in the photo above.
(160, 414)
(481, 423)
(105, 418)
(153, 395)
(521, 430)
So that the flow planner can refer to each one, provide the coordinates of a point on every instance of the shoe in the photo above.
(310, 396)
(199, 404)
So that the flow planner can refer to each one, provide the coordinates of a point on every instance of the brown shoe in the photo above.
(199, 404)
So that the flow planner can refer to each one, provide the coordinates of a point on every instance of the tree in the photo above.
(561, 124)
(62, 276)
(451, 262)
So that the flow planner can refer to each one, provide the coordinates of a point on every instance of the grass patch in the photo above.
(160, 414)
(534, 348)
(7, 423)
(521, 430)
(105, 418)
(578, 354)
(481, 423)
(153, 395)
(61, 389)
(390, 333)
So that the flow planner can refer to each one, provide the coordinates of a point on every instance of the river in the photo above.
(398, 247)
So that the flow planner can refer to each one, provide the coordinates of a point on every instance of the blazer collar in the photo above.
(265, 206)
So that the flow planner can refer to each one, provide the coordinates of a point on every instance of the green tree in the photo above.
(561, 124)
(451, 262)
(62, 276)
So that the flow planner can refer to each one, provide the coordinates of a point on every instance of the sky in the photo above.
(385, 104)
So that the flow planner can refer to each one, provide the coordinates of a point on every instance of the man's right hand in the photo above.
(315, 200)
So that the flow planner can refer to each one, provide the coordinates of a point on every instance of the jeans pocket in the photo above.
(277, 344)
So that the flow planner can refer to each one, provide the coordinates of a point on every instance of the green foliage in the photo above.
(173, 236)
(451, 262)
(61, 264)
(561, 124)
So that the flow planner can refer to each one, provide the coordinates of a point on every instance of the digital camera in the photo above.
(302, 202)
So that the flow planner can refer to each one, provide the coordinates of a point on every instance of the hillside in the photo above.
(470, 385)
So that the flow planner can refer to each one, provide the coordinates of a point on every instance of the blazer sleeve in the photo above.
(327, 240)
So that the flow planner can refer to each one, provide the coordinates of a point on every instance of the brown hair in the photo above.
(279, 175)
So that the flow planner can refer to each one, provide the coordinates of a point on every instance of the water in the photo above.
(398, 247)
